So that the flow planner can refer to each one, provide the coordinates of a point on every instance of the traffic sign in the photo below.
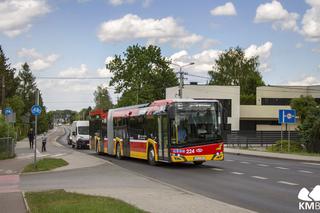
(36, 110)
(287, 116)
(8, 111)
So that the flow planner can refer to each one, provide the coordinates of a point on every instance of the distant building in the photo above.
(260, 117)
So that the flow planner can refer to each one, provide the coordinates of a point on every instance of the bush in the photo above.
(294, 146)
(5, 128)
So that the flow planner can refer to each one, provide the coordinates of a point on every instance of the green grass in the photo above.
(64, 202)
(45, 164)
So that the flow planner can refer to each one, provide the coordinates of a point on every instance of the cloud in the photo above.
(264, 53)
(103, 72)
(81, 71)
(311, 21)
(16, 16)
(37, 61)
(159, 31)
(225, 10)
(299, 45)
(279, 17)
(306, 81)
(115, 3)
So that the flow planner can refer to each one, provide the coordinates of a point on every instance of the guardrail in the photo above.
(7, 148)
(257, 138)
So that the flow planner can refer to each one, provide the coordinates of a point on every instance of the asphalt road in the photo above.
(255, 183)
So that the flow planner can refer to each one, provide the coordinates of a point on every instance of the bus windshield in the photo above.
(196, 123)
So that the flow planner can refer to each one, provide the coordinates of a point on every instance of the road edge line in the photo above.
(25, 201)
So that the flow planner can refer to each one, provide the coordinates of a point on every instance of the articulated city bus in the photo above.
(177, 130)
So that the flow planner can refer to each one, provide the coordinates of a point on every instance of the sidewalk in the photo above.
(272, 154)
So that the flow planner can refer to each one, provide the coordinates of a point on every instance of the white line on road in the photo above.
(229, 160)
(217, 169)
(288, 183)
(244, 162)
(305, 171)
(57, 155)
(237, 173)
(264, 165)
(315, 164)
(283, 168)
(259, 177)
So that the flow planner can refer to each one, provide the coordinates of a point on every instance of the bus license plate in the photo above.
(199, 158)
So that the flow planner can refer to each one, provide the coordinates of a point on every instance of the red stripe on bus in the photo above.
(138, 146)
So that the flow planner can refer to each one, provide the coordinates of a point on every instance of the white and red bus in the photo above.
(175, 130)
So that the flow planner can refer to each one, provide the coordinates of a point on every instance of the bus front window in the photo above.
(196, 123)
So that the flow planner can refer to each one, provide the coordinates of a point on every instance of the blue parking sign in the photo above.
(287, 116)
(8, 111)
(36, 110)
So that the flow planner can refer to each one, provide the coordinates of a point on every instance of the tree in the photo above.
(102, 98)
(7, 72)
(303, 106)
(309, 129)
(141, 75)
(233, 68)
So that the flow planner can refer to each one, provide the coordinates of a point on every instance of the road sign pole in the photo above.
(35, 129)
(281, 138)
(289, 138)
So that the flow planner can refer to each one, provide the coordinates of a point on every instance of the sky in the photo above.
(76, 38)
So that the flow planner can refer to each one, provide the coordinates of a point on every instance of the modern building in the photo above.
(260, 117)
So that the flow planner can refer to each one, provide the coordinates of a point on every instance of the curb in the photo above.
(25, 201)
(272, 157)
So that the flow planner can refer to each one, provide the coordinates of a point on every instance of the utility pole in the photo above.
(181, 76)
(3, 91)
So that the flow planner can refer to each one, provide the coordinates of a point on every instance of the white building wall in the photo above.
(212, 92)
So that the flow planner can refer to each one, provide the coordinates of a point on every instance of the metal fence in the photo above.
(7, 147)
(254, 138)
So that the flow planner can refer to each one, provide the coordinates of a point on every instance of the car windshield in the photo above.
(196, 123)
(83, 130)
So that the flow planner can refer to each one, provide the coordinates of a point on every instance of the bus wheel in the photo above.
(198, 162)
(118, 152)
(151, 157)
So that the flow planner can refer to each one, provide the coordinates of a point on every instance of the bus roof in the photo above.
(155, 107)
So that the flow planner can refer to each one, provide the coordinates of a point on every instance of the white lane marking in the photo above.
(37, 151)
(57, 155)
(283, 168)
(229, 160)
(315, 164)
(237, 173)
(1, 170)
(8, 171)
(305, 171)
(288, 183)
(217, 169)
(259, 177)
(244, 162)
(264, 165)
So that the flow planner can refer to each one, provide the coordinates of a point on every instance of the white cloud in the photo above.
(311, 21)
(264, 53)
(115, 3)
(225, 10)
(279, 17)
(129, 27)
(37, 60)
(103, 72)
(16, 16)
(299, 45)
(81, 71)
(306, 81)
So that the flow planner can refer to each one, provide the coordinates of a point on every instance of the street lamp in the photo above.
(181, 75)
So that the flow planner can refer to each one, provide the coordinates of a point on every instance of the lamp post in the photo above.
(181, 75)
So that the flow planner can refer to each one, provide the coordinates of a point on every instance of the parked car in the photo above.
(80, 134)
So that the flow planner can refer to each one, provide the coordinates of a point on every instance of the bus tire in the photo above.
(151, 156)
(73, 146)
(198, 162)
(118, 152)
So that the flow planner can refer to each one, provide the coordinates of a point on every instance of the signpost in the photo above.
(8, 112)
(286, 116)
(36, 111)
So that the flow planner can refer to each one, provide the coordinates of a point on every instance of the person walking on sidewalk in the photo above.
(44, 142)
(31, 137)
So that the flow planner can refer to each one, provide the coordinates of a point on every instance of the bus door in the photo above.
(126, 142)
(163, 151)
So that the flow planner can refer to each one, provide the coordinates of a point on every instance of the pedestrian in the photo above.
(44, 142)
(31, 137)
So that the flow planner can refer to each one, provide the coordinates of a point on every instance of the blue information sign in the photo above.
(36, 110)
(8, 111)
(287, 116)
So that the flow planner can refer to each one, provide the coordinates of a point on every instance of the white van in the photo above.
(80, 134)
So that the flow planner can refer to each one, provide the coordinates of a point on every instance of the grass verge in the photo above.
(45, 164)
(64, 202)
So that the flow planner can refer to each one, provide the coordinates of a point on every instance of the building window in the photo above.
(275, 101)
